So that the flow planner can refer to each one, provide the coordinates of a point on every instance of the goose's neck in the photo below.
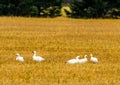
(85, 58)
(34, 54)
(77, 57)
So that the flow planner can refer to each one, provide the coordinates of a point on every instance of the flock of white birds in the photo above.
(35, 57)
(83, 60)
(71, 61)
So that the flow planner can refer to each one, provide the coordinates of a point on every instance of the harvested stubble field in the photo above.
(58, 40)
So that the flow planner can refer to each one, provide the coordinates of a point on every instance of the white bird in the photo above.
(73, 61)
(84, 60)
(19, 58)
(37, 58)
(93, 59)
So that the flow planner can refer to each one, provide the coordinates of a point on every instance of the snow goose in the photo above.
(84, 60)
(37, 58)
(19, 58)
(93, 59)
(73, 61)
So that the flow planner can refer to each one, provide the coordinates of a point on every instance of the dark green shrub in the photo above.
(94, 9)
(113, 13)
(34, 11)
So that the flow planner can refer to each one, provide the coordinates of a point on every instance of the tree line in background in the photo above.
(36, 8)
(52, 8)
(95, 9)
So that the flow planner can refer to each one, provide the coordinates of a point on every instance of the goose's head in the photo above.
(77, 57)
(17, 54)
(34, 52)
(85, 56)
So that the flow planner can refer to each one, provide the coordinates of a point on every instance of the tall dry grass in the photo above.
(58, 40)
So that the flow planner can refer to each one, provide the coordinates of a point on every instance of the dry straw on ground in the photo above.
(58, 40)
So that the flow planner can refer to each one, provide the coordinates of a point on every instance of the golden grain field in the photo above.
(58, 40)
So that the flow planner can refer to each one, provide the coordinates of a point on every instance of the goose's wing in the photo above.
(22, 58)
(72, 61)
(40, 58)
(95, 60)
